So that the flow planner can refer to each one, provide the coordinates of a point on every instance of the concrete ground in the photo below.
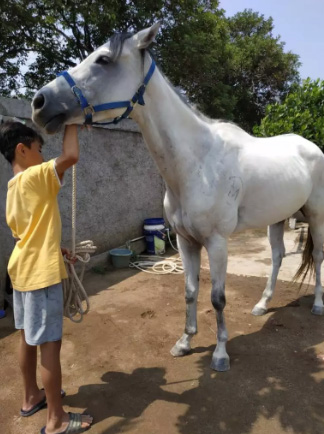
(117, 365)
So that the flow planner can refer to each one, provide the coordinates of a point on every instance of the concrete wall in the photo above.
(118, 185)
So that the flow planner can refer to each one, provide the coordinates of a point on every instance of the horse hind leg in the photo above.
(190, 255)
(318, 240)
(275, 235)
(312, 260)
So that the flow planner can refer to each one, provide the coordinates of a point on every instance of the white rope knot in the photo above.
(76, 300)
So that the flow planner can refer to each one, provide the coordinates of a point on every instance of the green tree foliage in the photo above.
(14, 47)
(196, 56)
(262, 72)
(230, 68)
(302, 112)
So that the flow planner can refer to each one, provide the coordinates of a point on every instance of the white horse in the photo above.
(219, 179)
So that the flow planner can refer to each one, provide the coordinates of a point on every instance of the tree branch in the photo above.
(87, 38)
(76, 34)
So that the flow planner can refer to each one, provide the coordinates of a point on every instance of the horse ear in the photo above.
(145, 37)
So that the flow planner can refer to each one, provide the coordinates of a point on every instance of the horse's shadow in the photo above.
(275, 375)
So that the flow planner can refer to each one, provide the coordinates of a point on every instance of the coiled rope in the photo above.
(76, 300)
(158, 264)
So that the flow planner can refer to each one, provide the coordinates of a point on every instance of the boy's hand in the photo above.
(70, 151)
(68, 254)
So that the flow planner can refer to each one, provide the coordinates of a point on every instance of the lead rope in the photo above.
(76, 300)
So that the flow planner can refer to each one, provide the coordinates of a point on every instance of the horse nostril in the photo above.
(38, 102)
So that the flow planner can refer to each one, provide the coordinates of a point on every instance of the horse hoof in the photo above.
(178, 351)
(220, 365)
(258, 311)
(318, 310)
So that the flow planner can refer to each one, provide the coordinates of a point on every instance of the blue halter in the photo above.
(89, 110)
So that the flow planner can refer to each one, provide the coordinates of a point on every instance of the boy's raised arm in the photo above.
(70, 151)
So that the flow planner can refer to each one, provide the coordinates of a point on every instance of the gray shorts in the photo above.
(40, 314)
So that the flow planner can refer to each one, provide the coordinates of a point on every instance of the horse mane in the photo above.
(192, 106)
(196, 111)
(117, 41)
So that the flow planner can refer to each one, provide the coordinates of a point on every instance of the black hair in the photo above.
(117, 42)
(12, 133)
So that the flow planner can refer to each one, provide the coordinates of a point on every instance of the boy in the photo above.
(36, 267)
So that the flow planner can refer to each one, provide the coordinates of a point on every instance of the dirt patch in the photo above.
(252, 241)
(117, 365)
(266, 261)
(148, 314)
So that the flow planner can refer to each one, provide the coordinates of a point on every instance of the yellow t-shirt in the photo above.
(34, 218)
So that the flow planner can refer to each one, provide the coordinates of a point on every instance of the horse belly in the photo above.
(270, 200)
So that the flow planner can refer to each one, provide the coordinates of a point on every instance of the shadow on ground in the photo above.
(274, 375)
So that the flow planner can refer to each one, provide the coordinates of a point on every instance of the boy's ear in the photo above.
(20, 149)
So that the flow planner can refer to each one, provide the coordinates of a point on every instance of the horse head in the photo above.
(105, 85)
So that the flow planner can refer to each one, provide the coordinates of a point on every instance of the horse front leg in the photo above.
(217, 253)
(190, 253)
(275, 235)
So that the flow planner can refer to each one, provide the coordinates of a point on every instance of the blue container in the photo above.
(120, 257)
(155, 234)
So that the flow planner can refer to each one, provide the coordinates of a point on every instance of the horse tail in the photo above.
(307, 265)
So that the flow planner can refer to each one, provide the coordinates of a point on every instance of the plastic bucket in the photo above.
(120, 257)
(154, 232)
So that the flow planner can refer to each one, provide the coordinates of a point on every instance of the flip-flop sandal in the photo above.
(41, 404)
(74, 426)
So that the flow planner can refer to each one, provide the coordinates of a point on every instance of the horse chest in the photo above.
(198, 214)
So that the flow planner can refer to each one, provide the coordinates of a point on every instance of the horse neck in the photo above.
(171, 131)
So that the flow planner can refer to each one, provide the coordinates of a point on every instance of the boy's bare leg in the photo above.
(28, 362)
(57, 419)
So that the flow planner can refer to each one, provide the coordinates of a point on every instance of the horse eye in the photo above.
(103, 60)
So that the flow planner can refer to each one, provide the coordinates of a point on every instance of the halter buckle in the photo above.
(89, 110)
(88, 113)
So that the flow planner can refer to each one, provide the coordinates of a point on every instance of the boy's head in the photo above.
(20, 144)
